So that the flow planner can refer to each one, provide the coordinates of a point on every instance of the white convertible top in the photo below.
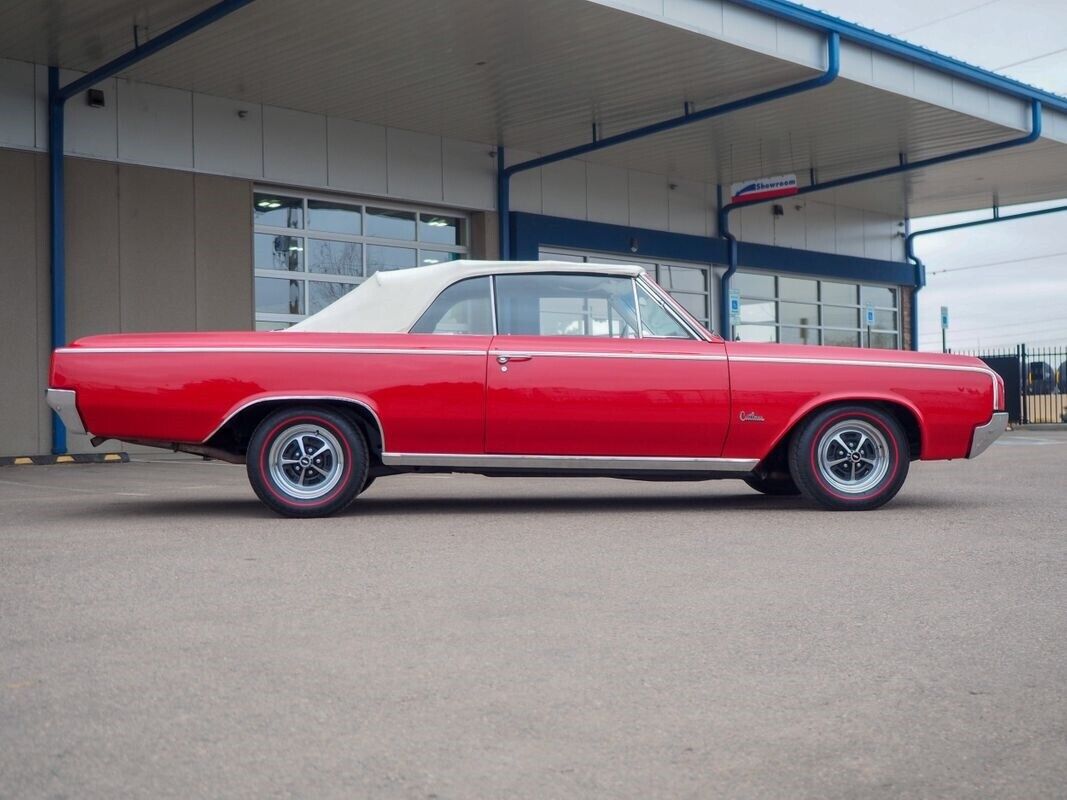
(391, 302)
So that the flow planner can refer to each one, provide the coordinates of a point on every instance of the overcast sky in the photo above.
(1005, 283)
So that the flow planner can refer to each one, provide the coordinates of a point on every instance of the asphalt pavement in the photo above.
(164, 635)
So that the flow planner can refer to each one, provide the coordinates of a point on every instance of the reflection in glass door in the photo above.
(689, 284)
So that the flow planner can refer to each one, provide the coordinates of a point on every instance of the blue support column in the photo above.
(57, 98)
(503, 204)
(57, 265)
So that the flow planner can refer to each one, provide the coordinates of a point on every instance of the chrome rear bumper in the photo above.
(63, 403)
(985, 435)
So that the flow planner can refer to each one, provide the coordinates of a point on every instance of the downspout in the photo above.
(56, 229)
(904, 166)
(920, 267)
(504, 174)
(57, 98)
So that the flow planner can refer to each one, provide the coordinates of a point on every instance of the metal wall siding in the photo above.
(16, 104)
(294, 146)
(155, 125)
(227, 136)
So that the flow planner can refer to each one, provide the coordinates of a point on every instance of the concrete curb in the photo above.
(76, 458)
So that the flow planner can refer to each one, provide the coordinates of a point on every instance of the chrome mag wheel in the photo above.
(306, 461)
(853, 456)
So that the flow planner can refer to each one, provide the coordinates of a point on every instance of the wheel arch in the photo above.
(904, 412)
(234, 432)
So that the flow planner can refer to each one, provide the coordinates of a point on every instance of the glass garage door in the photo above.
(792, 310)
(311, 249)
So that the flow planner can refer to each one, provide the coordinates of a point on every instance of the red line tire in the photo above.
(307, 462)
(850, 458)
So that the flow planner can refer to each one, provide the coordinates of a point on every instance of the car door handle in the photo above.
(504, 359)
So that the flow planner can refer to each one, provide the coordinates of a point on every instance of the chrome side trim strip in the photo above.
(985, 435)
(64, 403)
(584, 354)
(343, 350)
(849, 362)
(397, 351)
(311, 397)
(596, 463)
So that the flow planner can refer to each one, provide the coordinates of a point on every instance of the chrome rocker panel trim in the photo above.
(64, 403)
(985, 435)
(739, 466)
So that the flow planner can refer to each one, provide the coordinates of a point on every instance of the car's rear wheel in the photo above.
(777, 486)
(307, 462)
(850, 458)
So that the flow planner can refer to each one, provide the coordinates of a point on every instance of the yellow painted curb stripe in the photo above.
(112, 457)
(64, 459)
(23, 460)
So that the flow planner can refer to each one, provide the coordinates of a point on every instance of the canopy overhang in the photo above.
(537, 77)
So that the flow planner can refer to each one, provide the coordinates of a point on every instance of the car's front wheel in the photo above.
(850, 458)
(307, 462)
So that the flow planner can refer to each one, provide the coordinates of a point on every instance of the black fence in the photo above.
(1035, 379)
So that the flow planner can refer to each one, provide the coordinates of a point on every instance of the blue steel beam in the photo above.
(57, 98)
(504, 174)
(897, 169)
(920, 267)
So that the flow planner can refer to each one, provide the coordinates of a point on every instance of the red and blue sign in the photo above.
(763, 189)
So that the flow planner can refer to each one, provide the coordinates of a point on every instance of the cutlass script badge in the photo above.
(750, 416)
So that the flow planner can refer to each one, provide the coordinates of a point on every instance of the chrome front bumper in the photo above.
(63, 403)
(985, 435)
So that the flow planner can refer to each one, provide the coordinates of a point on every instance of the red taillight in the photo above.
(1002, 403)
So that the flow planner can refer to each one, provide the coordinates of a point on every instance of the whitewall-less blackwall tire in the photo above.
(307, 462)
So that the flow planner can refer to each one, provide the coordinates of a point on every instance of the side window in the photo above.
(462, 308)
(656, 320)
(550, 304)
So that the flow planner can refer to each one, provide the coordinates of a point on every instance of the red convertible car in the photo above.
(526, 369)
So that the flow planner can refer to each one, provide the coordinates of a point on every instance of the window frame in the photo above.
(566, 274)
(659, 295)
(655, 270)
(492, 308)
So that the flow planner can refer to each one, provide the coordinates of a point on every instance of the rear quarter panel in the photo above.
(182, 387)
(948, 395)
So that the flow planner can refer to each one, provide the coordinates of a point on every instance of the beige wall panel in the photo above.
(485, 236)
(156, 249)
(18, 304)
(223, 253)
(92, 224)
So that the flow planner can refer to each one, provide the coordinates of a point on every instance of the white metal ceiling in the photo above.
(535, 76)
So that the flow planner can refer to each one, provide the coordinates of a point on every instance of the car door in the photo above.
(570, 375)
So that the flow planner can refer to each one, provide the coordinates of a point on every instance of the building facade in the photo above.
(191, 210)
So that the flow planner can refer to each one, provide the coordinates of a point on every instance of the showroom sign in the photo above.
(763, 188)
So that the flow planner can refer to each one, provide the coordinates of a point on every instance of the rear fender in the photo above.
(351, 400)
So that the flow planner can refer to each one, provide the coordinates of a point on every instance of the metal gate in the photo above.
(1035, 381)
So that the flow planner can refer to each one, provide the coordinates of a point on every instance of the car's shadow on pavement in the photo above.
(370, 506)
